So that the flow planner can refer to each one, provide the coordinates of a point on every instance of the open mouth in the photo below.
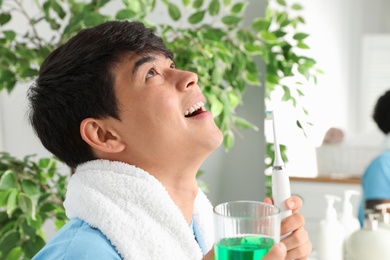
(196, 109)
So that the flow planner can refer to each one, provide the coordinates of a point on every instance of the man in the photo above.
(111, 103)
(376, 177)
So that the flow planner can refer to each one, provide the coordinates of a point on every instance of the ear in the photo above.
(95, 133)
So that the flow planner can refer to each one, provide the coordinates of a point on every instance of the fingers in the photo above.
(277, 252)
(298, 244)
(291, 223)
(268, 200)
(294, 203)
(302, 252)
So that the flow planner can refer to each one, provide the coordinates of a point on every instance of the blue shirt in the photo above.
(78, 240)
(376, 181)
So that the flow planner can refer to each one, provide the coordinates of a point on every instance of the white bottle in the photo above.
(347, 217)
(331, 233)
(370, 242)
(384, 217)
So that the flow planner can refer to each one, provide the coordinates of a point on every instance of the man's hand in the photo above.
(277, 252)
(298, 243)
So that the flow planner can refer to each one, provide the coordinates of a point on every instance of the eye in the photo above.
(151, 73)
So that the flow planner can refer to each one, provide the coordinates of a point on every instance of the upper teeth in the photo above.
(194, 108)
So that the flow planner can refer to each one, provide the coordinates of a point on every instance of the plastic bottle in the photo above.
(347, 217)
(370, 242)
(384, 217)
(331, 233)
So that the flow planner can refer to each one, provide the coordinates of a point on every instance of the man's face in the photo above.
(162, 114)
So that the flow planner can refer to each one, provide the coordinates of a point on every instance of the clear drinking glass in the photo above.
(245, 230)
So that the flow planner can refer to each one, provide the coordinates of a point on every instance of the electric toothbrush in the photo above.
(280, 179)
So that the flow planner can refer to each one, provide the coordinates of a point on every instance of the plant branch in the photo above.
(31, 23)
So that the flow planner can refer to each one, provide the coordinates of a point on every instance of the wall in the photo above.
(336, 30)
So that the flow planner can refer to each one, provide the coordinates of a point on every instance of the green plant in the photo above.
(30, 193)
(221, 51)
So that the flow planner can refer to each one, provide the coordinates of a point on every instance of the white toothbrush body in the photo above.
(280, 180)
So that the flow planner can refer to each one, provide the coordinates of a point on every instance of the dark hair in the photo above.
(76, 81)
(381, 114)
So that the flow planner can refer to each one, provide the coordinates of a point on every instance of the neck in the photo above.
(183, 189)
(183, 194)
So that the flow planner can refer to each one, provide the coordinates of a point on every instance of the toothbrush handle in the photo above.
(281, 191)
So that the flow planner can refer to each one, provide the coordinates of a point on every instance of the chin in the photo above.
(216, 140)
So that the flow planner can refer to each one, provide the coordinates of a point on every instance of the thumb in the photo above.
(277, 252)
(209, 255)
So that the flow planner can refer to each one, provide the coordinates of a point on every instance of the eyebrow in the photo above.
(142, 61)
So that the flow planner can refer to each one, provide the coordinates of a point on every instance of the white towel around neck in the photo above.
(135, 212)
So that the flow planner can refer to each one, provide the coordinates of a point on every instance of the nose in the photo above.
(186, 79)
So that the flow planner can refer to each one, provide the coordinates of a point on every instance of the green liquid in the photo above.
(243, 248)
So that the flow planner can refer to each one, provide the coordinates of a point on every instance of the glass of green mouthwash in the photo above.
(245, 230)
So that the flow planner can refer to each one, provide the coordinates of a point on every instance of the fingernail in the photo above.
(291, 203)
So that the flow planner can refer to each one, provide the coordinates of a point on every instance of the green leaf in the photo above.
(238, 8)
(32, 246)
(30, 188)
(234, 100)
(10, 35)
(125, 14)
(186, 3)
(27, 205)
(216, 106)
(260, 24)
(4, 18)
(300, 36)
(282, 2)
(174, 12)
(217, 75)
(301, 19)
(231, 20)
(7, 180)
(15, 253)
(279, 33)
(228, 140)
(214, 7)
(4, 197)
(44, 163)
(251, 78)
(227, 2)
(28, 73)
(47, 207)
(299, 124)
(302, 45)
(196, 17)
(58, 9)
(252, 48)
(37, 224)
(281, 18)
(244, 124)
(93, 19)
(197, 4)
(268, 36)
(297, 7)
(29, 231)
(12, 202)
(9, 241)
